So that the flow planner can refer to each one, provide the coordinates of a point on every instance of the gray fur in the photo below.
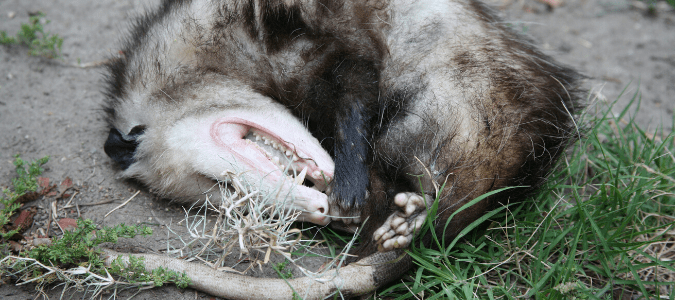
(461, 99)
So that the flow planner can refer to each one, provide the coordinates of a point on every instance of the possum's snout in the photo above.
(121, 147)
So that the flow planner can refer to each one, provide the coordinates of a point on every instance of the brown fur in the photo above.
(423, 87)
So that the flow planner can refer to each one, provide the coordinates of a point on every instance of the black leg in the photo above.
(351, 153)
(344, 100)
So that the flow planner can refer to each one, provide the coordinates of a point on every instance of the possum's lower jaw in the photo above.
(266, 148)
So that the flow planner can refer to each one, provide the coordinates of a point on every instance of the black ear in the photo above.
(122, 150)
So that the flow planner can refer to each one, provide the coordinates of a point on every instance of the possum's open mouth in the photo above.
(281, 156)
(292, 165)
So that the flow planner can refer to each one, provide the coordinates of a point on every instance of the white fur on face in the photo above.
(203, 143)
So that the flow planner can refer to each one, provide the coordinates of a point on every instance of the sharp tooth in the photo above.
(275, 160)
(301, 177)
(267, 141)
(275, 145)
(289, 153)
(257, 137)
(295, 157)
(282, 167)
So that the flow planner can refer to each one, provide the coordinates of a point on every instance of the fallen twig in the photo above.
(90, 204)
(71, 200)
(123, 204)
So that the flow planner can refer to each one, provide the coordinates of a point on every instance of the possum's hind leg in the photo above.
(398, 230)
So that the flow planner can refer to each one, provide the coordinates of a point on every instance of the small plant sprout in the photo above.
(33, 35)
(26, 182)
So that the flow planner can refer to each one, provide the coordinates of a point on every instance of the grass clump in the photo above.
(602, 228)
(135, 273)
(245, 222)
(33, 35)
(25, 182)
(79, 246)
(73, 259)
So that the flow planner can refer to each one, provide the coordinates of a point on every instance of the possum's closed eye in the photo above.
(121, 148)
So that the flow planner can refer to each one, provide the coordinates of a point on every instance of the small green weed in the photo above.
(33, 35)
(5, 39)
(75, 249)
(283, 270)
(285, 273)
(135, 273)
(75, 260)
(24, 183)
(79, 246)
(651, 4)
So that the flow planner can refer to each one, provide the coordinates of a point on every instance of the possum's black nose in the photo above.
(121, 149)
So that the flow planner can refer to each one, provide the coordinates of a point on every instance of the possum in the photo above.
(357, 110)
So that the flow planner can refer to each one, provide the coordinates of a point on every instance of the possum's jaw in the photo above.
(258, 147)
(282, 161)
(294, 164)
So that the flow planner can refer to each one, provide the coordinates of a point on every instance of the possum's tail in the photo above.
(357, 278)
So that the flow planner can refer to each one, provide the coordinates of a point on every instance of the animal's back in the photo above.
(468, 104)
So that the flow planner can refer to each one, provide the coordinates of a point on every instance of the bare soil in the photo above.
(49, 107)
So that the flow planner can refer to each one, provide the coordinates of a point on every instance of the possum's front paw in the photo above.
(397, 232)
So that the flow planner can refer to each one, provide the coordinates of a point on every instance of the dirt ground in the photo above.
(48, 107)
